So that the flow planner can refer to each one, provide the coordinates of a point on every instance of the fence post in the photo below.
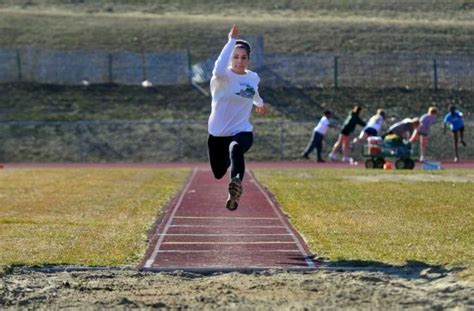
(144, 68)
(435, 74)
(179, 140)
(282, 140)
(335, 72)
(18, 64)
(111, 78)
(190, 66)
(82, 151)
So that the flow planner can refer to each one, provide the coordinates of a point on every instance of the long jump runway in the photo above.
(197, 232)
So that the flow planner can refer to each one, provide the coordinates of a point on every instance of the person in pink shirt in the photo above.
(422, 132)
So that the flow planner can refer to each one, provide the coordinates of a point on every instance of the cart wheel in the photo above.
(379, 162)
(369, 163)
(400, 164)
(409, 164)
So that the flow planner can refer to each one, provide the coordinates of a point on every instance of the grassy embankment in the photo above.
(152, 141)
(308, 27)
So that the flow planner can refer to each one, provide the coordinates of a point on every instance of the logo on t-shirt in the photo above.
(248, 92)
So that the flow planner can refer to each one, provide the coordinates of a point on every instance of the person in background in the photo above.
(234, 91)
(422, 132)
(343, 140)
(318, 136)
(455, 118)
(405, 128)
(372, 128)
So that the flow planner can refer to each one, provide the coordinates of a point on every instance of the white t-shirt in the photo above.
(322, 126)
(375, 122)
(233, 96)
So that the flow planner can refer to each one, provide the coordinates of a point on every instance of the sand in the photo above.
(417, 287)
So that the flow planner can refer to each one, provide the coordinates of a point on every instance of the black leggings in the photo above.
(225, 151)
(315, 142)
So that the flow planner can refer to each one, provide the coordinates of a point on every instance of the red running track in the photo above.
(198, 233)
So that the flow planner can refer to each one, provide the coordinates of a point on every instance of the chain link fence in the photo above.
(412, 70)
(373, 71)
(94, 66)
(183, 140)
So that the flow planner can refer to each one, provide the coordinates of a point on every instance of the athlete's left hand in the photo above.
(261, 110)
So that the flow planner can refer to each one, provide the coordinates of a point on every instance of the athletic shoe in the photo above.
(332, 157)
(456, 160)
(321, 161)
(347, 159)
(305, 156)
(235, 191)
(422, 159)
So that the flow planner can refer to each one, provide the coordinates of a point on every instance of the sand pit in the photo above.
(418, 287)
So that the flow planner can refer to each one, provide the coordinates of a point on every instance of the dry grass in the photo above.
(203, 34)
(100, 216)
(80, 216)
(405, 217)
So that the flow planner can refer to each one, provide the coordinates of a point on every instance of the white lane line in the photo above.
(217, 226)
(181, 251)
(152, 258)
(231, 218)
(225, 243)
(308, 260)
(224, 234)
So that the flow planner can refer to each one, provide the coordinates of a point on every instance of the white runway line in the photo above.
(225, 243)
(217, 226)
(182, 251)
(222, 217)
(224, 234)
(309, 262)
(153, 255)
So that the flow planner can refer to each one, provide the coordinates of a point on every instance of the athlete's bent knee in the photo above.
(219, 175)
(235, 148)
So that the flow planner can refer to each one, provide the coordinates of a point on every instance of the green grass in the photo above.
(80, 216)
(101, 216)
(382, 217)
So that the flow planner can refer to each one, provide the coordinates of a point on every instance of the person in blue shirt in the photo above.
(455, 118)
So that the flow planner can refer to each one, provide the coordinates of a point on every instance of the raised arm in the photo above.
(222, 62)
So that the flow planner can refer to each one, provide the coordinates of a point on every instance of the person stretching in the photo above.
(318, 136)
(372, 128)
(423, 130)
(348, 127)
